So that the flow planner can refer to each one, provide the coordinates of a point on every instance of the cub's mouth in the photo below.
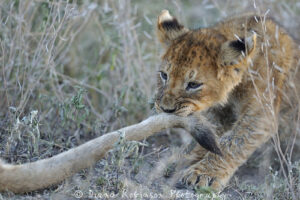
(160, 109)
(182, 111)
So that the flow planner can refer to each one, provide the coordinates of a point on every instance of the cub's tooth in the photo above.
(164, 16)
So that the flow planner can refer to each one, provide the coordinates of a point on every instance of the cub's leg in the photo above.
(252, 129)
(196, 154)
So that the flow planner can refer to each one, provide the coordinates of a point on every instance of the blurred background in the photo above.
(71, 71)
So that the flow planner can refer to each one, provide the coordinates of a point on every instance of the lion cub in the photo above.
(232, 74)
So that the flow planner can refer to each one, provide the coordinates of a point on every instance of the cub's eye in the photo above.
(193, 85)
(163, 75)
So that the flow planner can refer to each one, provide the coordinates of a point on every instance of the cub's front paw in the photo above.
(199, 175)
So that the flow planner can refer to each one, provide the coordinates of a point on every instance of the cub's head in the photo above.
(199, 68)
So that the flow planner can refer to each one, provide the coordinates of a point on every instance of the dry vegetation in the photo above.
(73, 70)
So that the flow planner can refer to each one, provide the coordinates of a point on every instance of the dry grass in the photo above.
(73, 71)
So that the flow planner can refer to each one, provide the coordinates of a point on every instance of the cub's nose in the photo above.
(168, 110)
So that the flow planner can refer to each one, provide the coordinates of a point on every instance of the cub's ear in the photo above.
(168, 28)
(235, 55)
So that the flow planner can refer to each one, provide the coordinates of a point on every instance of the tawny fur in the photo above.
(242, 64)
(44, 173)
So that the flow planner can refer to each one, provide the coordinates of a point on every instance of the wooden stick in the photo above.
(44, 173)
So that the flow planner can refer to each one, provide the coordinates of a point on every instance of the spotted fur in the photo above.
(235, 61)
